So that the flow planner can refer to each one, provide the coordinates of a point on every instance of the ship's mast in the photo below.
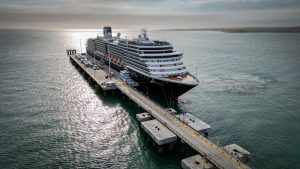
(109, 65)
(80, 47)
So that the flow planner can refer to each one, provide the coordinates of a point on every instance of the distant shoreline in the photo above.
(294, 29)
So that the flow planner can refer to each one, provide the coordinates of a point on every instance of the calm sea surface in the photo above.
(51, 116)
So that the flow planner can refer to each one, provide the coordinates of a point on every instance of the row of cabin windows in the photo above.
(168, 60)
(114, 47)
(140, 69)
(166, 56)
(163, 75)
(136, 65)
(100, 43)
(132, 50)
(149, 49)
(146, 50)
(175, 64)
(131, 63)
(168, 75)
(149, 52)
(168, 70)
(100, 46)
(115, 53)
(126, 45)
(131, 56)
(133, 59)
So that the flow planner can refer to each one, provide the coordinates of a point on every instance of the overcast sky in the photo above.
(153, 14)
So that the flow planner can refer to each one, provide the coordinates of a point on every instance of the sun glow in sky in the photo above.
(154, 14)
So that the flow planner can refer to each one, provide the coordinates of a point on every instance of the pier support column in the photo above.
(171, 146)
(148, 138)
(139, 108)
(153, 143)
(183, 148)
(130, 102)
(160, 149)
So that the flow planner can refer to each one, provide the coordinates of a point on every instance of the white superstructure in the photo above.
(143, 57)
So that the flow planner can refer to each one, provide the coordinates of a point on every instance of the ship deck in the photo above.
(186, 79)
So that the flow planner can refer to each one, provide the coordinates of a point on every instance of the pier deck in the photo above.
(217, 155)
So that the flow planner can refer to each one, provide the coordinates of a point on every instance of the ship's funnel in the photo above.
(107, 32)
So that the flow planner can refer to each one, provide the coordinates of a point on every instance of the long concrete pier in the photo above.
(215, 154)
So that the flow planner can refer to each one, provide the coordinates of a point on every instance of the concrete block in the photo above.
(158, 132)
(196, 162)
(143, 117)
(193, 122)
(238, 152)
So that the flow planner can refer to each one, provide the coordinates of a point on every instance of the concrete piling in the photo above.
(160, 149)
(153, 143)
(171, 146)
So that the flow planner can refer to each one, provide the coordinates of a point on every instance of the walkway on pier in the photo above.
(217, 155)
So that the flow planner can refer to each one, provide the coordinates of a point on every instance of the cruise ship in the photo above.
(154, 64)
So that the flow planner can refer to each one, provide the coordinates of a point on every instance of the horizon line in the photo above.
(129, 29)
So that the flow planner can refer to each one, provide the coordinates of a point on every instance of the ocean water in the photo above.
(51, 116)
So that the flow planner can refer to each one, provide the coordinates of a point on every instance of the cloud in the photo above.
(153, 14)
(249, 4)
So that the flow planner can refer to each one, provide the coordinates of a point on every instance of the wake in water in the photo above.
(234, 83)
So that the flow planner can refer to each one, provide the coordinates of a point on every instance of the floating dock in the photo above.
(210, 151)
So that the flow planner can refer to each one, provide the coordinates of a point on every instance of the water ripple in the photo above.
(234, 83)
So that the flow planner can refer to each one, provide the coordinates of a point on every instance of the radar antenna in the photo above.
(144, 33)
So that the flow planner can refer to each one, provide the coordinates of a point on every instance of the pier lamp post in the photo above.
(147, 91)
(80, 47)
(94, 65)
(109, 64)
